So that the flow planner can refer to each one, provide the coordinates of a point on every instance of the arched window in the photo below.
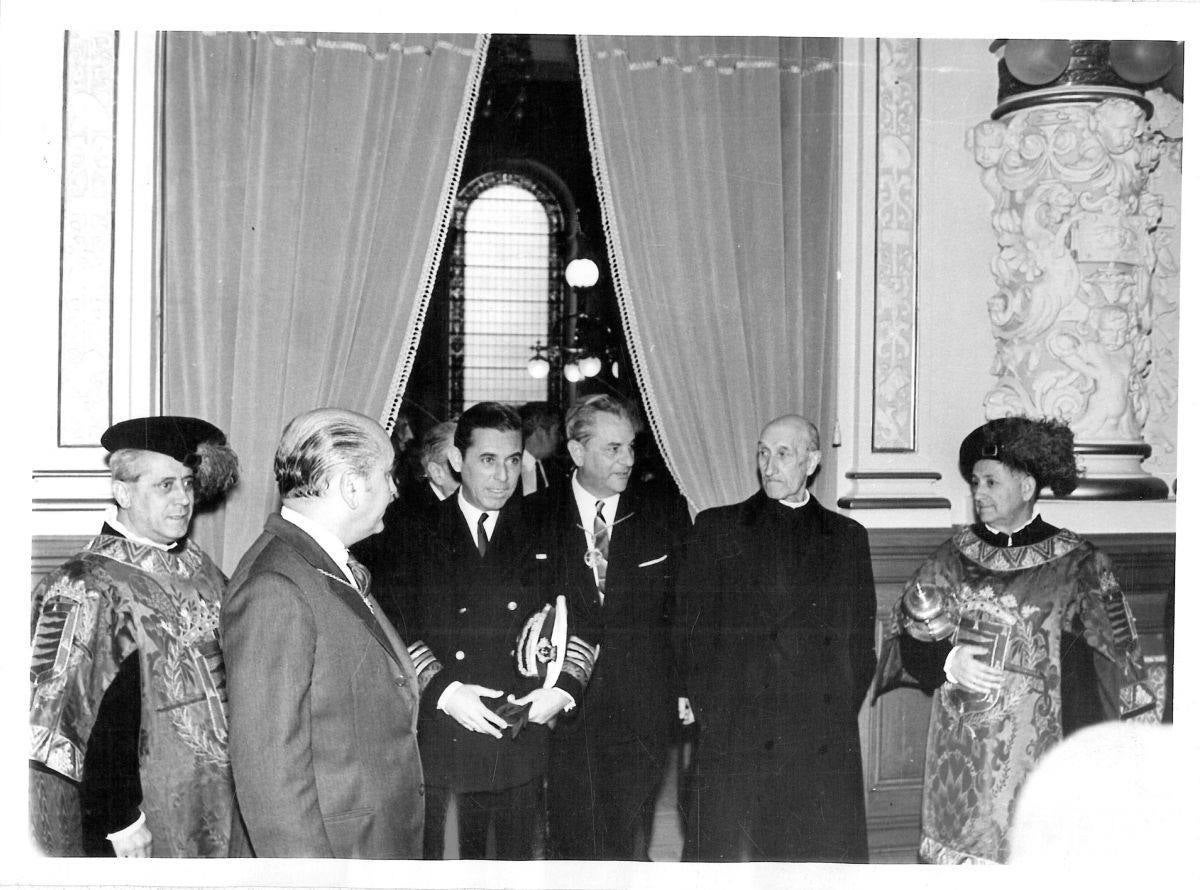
(506, 288)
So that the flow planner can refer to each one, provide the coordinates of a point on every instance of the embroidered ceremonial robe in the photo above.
(1020, 601)
(113, 601)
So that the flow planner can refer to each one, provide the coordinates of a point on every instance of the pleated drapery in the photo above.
(717, 161)
(307, 186)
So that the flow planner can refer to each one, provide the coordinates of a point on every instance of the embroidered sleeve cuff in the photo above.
(425, 664)
(580, 660)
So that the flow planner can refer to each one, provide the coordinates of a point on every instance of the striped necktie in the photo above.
(600, 542)
(362, 580)
(362, 576)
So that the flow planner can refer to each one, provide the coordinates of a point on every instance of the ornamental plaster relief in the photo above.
(1077, 220)
(1162, 382)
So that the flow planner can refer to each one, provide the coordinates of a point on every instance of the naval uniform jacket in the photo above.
(386, 554)
(464, 613)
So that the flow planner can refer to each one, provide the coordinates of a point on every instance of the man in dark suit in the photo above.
(475, 577)
(541, 435)
(322, 693)
(613, 550)
(776, 620)
(385, 553)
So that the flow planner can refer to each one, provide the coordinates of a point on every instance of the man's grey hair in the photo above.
(125, 464)
(803, 426)
(436, 443)
(215, 469)
(317, 442)
(580, 422)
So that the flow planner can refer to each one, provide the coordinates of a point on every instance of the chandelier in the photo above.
(590, 345)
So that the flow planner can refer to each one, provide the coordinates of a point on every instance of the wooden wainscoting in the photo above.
(51, 551)
(894, 730)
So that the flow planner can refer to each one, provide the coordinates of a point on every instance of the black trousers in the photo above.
(600, 796)
(514, 813)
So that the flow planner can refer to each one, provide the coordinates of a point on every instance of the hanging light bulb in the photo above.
(590, 365)
(581, 272)
(538, 365)
(572, 373)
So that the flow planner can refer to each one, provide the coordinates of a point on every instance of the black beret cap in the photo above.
(176, 437)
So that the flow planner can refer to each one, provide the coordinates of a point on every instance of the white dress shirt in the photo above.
(472, 513)
(136, 538)
(326, 540)
(531, 470)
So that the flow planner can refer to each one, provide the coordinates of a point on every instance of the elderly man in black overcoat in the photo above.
(776, 625)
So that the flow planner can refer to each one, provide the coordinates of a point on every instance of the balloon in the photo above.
(1037, 62)
(1141, 61)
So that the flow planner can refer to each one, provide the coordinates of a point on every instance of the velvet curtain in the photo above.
(717, 163)
(307, 184)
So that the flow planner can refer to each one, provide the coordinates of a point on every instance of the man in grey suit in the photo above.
(322, 694)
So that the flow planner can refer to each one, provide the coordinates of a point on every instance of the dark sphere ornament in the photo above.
(1141, 61)
(1173, 82)
(1037, 62)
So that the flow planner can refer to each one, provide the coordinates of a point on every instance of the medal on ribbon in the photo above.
(592, 558)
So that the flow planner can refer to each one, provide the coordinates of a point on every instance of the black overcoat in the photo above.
(776, 626)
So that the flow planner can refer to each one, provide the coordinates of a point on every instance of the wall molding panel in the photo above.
(897, 110)
(97, 310)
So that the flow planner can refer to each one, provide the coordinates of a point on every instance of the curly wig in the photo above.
(1041, 448)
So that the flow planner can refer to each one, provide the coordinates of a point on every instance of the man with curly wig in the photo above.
(128, 716)
(1020, 631)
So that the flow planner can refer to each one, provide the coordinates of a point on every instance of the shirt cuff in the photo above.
(454, 684)
(950, 678)
(128, 829)
(570, 705)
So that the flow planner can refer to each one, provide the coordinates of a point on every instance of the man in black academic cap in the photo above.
(127, 716)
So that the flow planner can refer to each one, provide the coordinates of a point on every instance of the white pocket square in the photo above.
(539, 556)
(650, 562)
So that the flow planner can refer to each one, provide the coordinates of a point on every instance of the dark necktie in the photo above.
(600, 543)
(481, 534)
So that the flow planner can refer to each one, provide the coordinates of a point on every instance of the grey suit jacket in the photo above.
(322, 709)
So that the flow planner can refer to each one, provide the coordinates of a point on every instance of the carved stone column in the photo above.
(1073, 312)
